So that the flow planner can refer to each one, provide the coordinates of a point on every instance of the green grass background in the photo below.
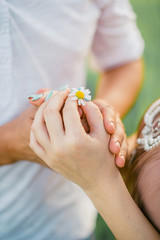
(148, 20)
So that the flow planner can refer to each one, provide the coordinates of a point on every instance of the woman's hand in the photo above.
(112, 122)
(60, 140)
(64, 145)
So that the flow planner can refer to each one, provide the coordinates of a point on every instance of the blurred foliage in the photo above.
(148, 20)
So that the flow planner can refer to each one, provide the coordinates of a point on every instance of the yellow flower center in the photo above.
(79, 94)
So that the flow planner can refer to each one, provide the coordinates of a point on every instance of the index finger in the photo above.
(94, 119)
(71, 117)
(52, 115)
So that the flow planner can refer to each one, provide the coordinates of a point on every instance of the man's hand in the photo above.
(114, 126)
(14, 140)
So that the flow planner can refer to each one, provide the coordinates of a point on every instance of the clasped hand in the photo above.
(59, 138)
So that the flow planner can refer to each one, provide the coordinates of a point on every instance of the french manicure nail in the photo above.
(64, 87)
(35, 96)
(49, 95)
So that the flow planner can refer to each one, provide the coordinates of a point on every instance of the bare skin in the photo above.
(120, 86)
(65, 149)
(15, 134)
(14, 143)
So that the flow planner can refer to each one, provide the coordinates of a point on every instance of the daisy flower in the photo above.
(81, 94)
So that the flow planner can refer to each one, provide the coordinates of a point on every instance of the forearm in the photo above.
(120, 212)
(10, 146)
(121, 85)
(5, 157)
(14, 140)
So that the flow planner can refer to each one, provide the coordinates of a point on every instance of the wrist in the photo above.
(11, 143)
(107, 185)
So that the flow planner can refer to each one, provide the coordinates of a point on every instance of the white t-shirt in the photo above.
(44, 43)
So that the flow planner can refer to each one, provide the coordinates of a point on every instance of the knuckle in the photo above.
(111, 108)
(109, 113)
(119, 123)
(118, 138)
(121, 133)
(124, 151)
(120, 129)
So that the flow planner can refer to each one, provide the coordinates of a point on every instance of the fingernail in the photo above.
(49, 95)
(118, 144)
(122, 157)
(112, 124)
(64, 87)
(35, 96)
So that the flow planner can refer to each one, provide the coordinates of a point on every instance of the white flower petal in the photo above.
(83, 102)
(87, 91)
(79, 102)
(74, 98)
(81, 89)
(74, 90)
(71, 94)
(87, 98)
